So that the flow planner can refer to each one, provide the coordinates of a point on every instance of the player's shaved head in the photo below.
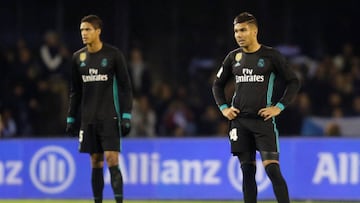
(94, 20)
(245, 17)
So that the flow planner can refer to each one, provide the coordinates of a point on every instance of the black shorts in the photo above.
(250, 134)
(99, 137)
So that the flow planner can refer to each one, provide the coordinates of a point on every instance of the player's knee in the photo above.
(265, 155)
(112, 159)
(274, 173)
(97, 160)
(246, 157)
(248, 169)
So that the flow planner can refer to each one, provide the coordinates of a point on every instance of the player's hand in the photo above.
(125, 126)
(269, 112)
(70, 129)
(230, 113)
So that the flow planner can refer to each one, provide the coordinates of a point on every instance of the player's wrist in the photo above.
(70, 119)
(223, 106)
(126, 116)
(280, 106)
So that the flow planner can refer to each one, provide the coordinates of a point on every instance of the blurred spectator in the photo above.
(1, 126)
(344, 59)
(332, 129)
(18, 103)
(8, 126)
(318, 89)
(355, 73)
(179, 120)
(163, 95)
(144, 118)
(335, 105)
(209, 121)
(54, 56)
(356, 106)
(139, 73)
(55, 68)
(46, 114)
(222, 128)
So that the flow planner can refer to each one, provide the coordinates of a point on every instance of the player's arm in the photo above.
(292, 82)
(124, 86)
(223, 75)
(75, 91)
(292, 87)
(75, 95)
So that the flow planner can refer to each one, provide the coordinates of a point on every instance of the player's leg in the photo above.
(90, 143)
(110, 141)
(272, 168)
(112, 159)
(266, 136)
(248, 168)
(243, 146)
(97, 176)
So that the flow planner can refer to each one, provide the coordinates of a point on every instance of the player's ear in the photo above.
(98, 31)
(255, 30)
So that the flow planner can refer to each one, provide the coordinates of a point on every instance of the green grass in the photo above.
(142, 201)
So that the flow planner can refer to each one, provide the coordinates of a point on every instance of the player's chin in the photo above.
(242, 44)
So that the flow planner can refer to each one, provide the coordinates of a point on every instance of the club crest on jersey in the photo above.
(238, 57)
(104, 62)
(82, 58)
(261, 63)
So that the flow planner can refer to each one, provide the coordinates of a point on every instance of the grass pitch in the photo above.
(147, 201)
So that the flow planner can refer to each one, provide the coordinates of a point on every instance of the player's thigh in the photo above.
(266, 135)
(89, 142)
(109, 133)
(247, 157)
(241, 139)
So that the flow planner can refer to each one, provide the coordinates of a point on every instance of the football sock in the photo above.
(278, 182)
(116, 183)
(249, 183)
(97, 183)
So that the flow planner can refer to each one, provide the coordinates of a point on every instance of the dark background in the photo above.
(183, 43)
(171, 32)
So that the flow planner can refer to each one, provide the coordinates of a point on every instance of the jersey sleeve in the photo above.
(75, 91)
(292, 82)
(223, 75)
(123, 85)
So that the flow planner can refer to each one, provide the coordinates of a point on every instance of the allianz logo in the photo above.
(149, 168)
(52, 169)
(337, 168)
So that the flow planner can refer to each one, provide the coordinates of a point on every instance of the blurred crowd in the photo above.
(34, 85)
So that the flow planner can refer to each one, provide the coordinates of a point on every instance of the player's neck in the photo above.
(252, 48)
(94, 47)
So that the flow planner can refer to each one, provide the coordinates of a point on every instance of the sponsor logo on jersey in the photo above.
(248, 76)
(82, 64)
(94, 76)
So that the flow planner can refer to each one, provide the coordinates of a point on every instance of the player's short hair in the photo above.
(94, 20)
(245, 17)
